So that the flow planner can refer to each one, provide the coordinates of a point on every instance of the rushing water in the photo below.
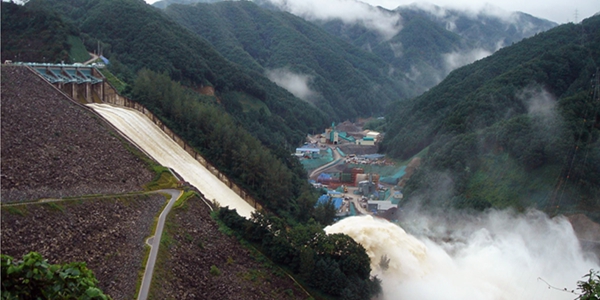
(497, 255)
(146, 135)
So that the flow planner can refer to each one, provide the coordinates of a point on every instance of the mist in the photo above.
(297, 84)
(455, 60)
(557, 11)
(539, 102)
(493, 255)
(351, 12)
(547, 123)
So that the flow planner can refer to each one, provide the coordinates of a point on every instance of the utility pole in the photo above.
(597, 85)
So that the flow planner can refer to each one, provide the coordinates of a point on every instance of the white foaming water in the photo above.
(146, 135)
(497, 255)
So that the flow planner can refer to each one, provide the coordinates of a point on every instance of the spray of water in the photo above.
(496, 255)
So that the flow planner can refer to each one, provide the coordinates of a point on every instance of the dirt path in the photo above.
(146, 135)
(91, 60)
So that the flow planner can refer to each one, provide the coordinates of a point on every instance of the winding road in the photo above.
(142, 132)
(147, 279)
(337, 159)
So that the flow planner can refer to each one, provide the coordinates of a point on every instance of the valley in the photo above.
(462, 160)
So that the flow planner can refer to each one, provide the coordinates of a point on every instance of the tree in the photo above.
(34, 278)
(590, 288)
(324, 213)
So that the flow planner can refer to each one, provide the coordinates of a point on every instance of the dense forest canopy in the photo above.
(33, 35)
(489, 107)
(271, 176)
(140, 36)
(245, 128)
(353, 70)
(433, 43)
(334, 264)
(517, 128)
(339, 78)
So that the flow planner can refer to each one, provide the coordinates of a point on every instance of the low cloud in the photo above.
(450, 14)
(297, 84)
(542, 108)
(386, 23)
(470, 10)
(539, 102)
(458, 59)
(495, 11)
(398, 49)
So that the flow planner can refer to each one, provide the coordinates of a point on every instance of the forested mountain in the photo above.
(337, 77)
(234, 46)
(135, 35)
(165, 3)
(238, 119)
(433, 40)
(33, 35)
(429, 43)
(519, 127)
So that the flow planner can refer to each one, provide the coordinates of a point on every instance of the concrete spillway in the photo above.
(143, 132)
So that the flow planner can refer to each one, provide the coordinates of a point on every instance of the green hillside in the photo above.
(434, 41)
(517, 128)
(33, 35)
(245, 128)
(140, 36)
(347, 82)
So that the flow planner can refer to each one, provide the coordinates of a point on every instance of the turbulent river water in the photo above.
(165, 151)
(496, 255)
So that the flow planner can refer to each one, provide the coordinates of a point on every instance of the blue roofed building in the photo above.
(104, 60)
(308, 151)
(337, 201)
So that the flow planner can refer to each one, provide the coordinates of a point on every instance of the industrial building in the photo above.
(348, 133)
(378, 206)
(308, 151)
(81, 82)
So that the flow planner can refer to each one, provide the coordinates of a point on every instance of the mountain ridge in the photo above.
(522, 106)
(341, 80)
(458, 37)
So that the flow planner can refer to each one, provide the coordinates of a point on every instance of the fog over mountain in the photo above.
(297, 84)
(421, 43)
(434, 40)
(498, 115)
(384, 22)
(556, 11)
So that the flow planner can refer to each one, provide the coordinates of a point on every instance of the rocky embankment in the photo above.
(108, 234)
(52, 147)
(201, 262)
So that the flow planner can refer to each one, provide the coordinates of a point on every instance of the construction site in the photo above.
(343, 162)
